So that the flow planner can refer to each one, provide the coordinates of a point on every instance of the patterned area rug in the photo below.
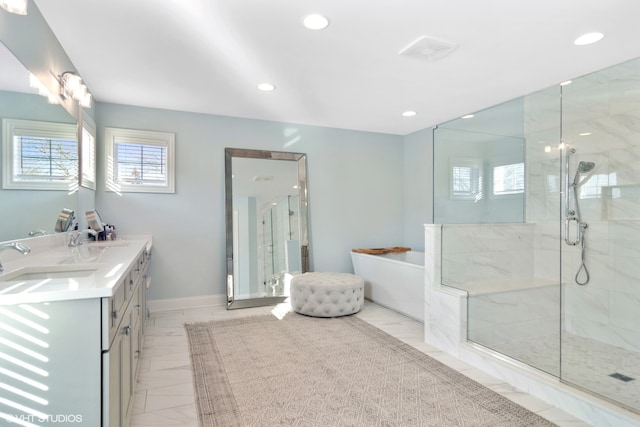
(304, 371)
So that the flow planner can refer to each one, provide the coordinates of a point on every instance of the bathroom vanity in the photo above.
(71, 331)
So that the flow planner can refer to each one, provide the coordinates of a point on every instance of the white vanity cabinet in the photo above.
(70, 345)
(122, 338)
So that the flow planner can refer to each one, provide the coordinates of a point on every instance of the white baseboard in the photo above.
(189, 302)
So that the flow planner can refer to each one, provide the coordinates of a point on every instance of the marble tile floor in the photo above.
(164, 395)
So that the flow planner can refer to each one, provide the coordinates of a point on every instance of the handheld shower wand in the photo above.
(584, 168)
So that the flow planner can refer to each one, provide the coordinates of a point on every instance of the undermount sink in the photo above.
(52, 272)
(108, 243)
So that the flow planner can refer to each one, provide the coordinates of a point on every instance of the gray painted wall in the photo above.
(418, 187)
(355, 180)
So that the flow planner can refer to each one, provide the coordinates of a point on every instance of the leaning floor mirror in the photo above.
(266, 225)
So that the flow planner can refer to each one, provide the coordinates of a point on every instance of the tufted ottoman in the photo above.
(327, 294)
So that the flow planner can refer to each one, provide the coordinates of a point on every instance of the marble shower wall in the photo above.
(601, 122)
(486, 253)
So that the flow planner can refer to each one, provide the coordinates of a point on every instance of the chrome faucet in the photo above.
(37, 233)
(74, 238)
(20, 247)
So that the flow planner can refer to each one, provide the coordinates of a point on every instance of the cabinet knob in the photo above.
(115, 314)
(138, 307)
(126, 330)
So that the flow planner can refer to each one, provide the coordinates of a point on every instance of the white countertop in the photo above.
(53, 271)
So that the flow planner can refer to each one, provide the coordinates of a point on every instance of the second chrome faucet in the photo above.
(75, 238)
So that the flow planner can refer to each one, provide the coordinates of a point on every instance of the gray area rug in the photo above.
(304, 371)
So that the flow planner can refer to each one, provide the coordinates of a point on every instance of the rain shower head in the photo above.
(583, 168)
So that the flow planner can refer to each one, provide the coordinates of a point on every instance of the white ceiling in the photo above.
(208, 56)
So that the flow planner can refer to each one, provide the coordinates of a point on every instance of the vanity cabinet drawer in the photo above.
(117, 302)
(113, 311)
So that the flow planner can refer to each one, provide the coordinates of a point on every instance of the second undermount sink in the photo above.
(49, 272)
(108, 243)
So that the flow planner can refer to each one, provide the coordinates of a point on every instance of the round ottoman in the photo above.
(327, 294)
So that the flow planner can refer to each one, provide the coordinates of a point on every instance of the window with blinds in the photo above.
(508, 179)
(39, 155)
(140, 161)
(466, 179)
(88, 154)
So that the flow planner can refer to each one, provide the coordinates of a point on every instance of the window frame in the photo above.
(37, 128)
(115, 136)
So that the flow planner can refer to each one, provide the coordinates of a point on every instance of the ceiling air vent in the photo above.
(429, 48)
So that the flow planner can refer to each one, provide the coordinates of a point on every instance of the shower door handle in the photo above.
(567, 230)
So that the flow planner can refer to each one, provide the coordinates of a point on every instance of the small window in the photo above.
(591, 188)
(508, 179)
(466, 179)
(140, 161)
(88, 154)
(39, 155)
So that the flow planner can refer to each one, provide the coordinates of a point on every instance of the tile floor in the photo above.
(164, 395)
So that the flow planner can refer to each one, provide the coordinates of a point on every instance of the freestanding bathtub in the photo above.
(394, 280)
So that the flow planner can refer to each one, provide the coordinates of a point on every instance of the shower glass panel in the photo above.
(479, 173)
(553, 282)
(509, 267)
(601, 256)
(281, 245)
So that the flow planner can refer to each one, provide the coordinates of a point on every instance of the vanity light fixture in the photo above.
(315, 22)
(409, 114)
(19, 7)
(71, 86)
(266, 87)
(584, 133)
(588, 38)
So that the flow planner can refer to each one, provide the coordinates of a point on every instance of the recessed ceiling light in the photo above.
(468, 116)
(588, 39)
(266, 87)
(315, 22)
(568, 82)
(409, 114)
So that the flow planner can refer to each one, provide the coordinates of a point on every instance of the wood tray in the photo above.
(381, 251)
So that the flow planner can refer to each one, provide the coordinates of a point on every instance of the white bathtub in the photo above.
(395, 281)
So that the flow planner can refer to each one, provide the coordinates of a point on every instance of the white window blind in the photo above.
(141, 164)
(39, 155)
(508, 179)
(140, 161)
(466, 179)
(88, 154)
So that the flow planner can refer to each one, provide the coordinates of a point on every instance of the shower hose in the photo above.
(583, 256)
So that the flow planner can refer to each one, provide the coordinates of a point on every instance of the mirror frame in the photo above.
(300, 158)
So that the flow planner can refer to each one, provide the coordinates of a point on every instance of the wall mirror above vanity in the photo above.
(266, 225)
(37, 185)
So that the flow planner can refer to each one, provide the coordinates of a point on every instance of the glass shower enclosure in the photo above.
(539, 199)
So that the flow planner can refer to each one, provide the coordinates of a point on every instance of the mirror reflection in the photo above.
(266, 225)
(27, 210)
